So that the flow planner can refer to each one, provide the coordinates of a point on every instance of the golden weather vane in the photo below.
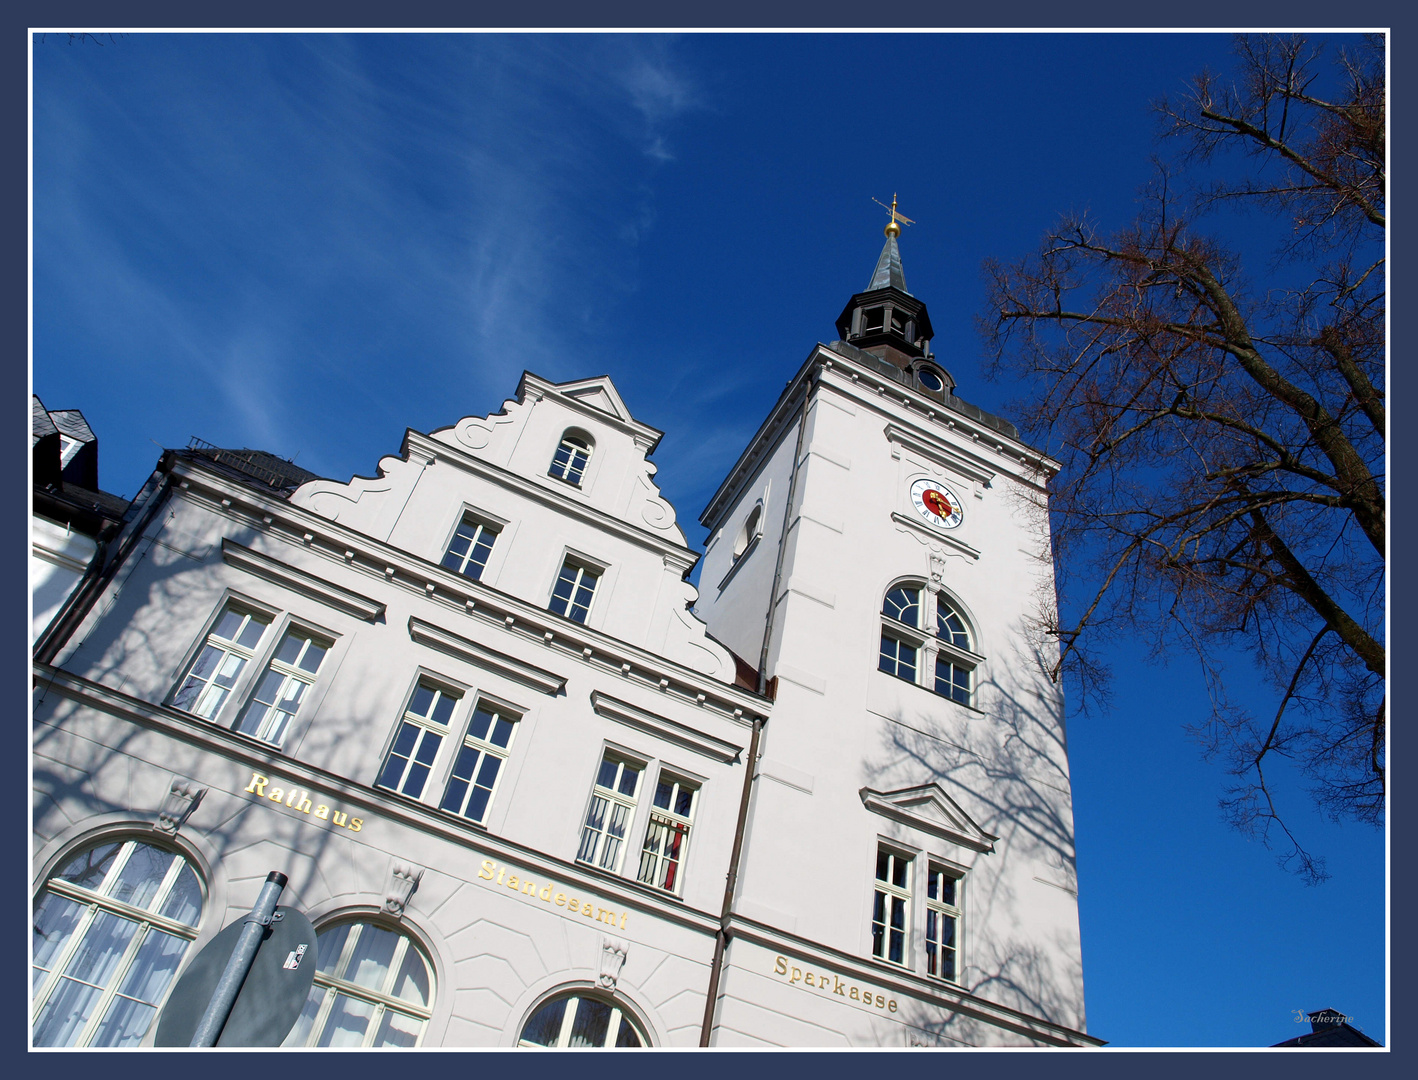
(892, 228)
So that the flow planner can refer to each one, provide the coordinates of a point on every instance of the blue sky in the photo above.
(306, 243)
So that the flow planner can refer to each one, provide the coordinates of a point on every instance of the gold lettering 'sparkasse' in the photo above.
(301, 801)
(548, 892)
(820, 981)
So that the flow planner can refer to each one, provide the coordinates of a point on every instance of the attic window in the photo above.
(569, 462)
(67, 449)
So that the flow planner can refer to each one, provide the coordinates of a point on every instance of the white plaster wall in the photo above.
(58, 559)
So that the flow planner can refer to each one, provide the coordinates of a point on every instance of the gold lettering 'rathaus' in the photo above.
(302, 802)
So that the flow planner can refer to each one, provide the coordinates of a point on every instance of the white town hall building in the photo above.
(533, 788)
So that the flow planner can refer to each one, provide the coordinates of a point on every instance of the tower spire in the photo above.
(885, 319)
(889, 272)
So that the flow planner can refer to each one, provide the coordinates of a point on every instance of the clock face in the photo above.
(937, 504)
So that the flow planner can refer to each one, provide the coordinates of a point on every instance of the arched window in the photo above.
(752, 527)
(944, 661)
(373, 987)
(581, 1019)
(111, 927)
(569, 461)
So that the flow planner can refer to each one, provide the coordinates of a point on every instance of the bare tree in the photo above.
(1221, 424)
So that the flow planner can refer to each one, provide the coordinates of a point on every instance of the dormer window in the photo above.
(569, 462)
(929, 379)
(67, 449)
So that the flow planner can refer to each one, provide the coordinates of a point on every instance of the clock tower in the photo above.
(879, 557)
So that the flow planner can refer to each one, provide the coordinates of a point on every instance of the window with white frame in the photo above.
(282, 686)
(749, 532)
(902, 608)
(580, 1019)
(480, 759)
(230, 644)
(954, 670)
(373, 987)
(470, 547)
(68, 448)
(944, 660)
(943, 889)
(667, 835)
(416, 743)
(891, 906)
(569, 461)
(609, 813)
(575, 589)
(111, 927)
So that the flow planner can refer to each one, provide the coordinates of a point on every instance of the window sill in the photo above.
(743, 558)
(934, 693)
(574, 484)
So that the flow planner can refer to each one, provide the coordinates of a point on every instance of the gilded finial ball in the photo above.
(893, 229)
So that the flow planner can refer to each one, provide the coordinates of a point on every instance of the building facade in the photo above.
(530, 794)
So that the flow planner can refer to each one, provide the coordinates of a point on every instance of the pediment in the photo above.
(929, 809)
(599, 393)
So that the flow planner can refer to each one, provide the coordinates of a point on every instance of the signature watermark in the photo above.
(1328, 1016)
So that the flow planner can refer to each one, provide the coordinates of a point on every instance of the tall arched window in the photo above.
(945, 661)
(581, 1019)
(111, 928)
(373, 987)
(569, 461)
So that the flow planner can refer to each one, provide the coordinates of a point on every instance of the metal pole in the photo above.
(229, 985)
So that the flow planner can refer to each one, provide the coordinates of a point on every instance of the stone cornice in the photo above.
(451, 591)
(930, 991)
(431, 449)
(921, 527)
(665, 728)
(435, 637)
(250, 753)
(290, 577)
(968, 465)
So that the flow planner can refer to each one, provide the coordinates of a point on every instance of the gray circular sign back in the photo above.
(271, 997)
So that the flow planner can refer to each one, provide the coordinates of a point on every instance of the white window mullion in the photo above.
(61, 960)
(120, 972)
(568, 1019)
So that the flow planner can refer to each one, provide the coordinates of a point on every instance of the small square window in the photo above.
(575, 589)
(898, 658)
(470, 547)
